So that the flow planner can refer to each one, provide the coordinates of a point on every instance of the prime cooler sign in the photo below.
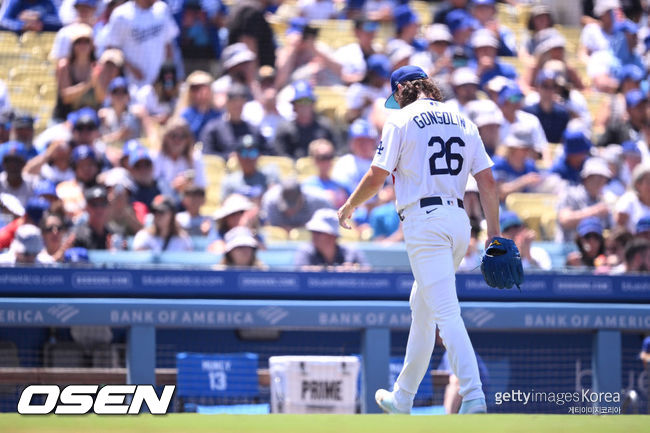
(83, 399)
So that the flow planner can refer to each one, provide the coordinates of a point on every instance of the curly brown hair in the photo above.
(411, 91)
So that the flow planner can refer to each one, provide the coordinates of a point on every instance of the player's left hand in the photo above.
(345, 213)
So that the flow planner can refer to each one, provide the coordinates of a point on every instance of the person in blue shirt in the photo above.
(29, 15)
(407, 27)
(461, 26)
(487, 64)
(383, 219)
(516, 172)
(553, 116)
(625, 42)
(322, 152)
(577, 147)
(200, 109)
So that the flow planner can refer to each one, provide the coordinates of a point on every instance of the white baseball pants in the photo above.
(436, 243)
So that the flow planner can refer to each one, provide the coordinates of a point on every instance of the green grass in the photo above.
(192, 423)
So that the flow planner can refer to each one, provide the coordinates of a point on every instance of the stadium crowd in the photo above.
(148, 91)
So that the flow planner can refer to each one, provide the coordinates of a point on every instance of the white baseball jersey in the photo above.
(430, 149)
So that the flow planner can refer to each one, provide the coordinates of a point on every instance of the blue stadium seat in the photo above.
(105, 257)
(222, 378)
(195, 258)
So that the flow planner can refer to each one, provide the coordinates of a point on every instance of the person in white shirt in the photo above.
(361, 96)
(164, 234)
(24, 249)
(317, 9)
(465, 84)
(86, 13)
(144, 31)
(352, 57)
(635, 204)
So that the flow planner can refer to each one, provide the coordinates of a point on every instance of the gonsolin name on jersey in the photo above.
(438, 118)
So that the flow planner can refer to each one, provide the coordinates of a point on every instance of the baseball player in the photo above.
(430, 149)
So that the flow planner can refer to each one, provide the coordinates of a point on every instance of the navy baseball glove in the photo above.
(501, 264)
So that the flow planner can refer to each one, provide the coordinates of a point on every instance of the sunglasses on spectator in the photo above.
(324, 157)
(249, 153)
(98, 203)
(120, 91)
(177, 135)
(85, 128)
(53, 229)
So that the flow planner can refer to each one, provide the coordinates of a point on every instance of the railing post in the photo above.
(375, 350)
(606, 364)
(141, 355)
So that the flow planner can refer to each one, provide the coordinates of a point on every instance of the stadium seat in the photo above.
(274, 234)
(191, 258)
(108, 258)
(533, 208)
(66, 354)
(222, 378)
(306, 167)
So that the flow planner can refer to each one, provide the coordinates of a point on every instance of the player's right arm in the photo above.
(487, 188)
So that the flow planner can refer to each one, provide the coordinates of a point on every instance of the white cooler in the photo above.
(314, 384)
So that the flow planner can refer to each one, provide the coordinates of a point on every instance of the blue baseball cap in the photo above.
(460, 19)
(399, 76)
(297, 25)
(130, 146)
(45, 187)
(630, 148)
(575, 141)
(634, 98)
(630, 72)
(139, 154)
(83, 116)
(590, 225)
(35, 208)
(302, 90)
(511, 92)
(118, 83)
(544, 75)
(509, 219)
(14, 148)
(83, 152)
(643, 225)
(379, 64)
(76, 255)
(361, 128)
(404, 16)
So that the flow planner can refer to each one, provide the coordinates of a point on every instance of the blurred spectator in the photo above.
(164, 234)
(124, 219)
(489, 120)
(85, 16)
(532, 257)
(637, 257)
(485, 12)
(287, 206)
(22, 129)
(249, 180)
(76, 256)
(632, 127)
(643, 228)
(248, 24)
(516, 172)
(74, 74)
(119, 121)
(25, 247)
(191, 220)
(590, 242)
(577, 148)
(645, 351)
(614, 260)
(101, 26)
(352, 57)
(613, 154)
(31, 214)
(323, 153)
(585, 200)
(436, 61)
(85, 127)
(631, 157)
(625, 44)
(597, 35)
(350, 168)
(465, 84)
(510, 100)
(10, 210)
(553, 116)
(55, 238)
(144, 30)
(235, 211)
(634, 204)
(399, 53)
(221, 136)
(540, 18)
(407, 27)
(195, 104)
(472, 259)
(200, 22)
(383, 219)
(5, 116)
(615, 111)
(159, 99)
(360, 97)
(461, 25)
(109, 66)
(95, 233)
(265, 113)
(303, 57)
(551, 47)
(12, 180)
(178, 164)
(86, 167)
(317, 9)
(238, 63)
(141, 170)
(472, 201)
(488, 65)
(47, 190)
(324, 251)
(446, 7)
(241, 248)
(29, 15)
(293, 138)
